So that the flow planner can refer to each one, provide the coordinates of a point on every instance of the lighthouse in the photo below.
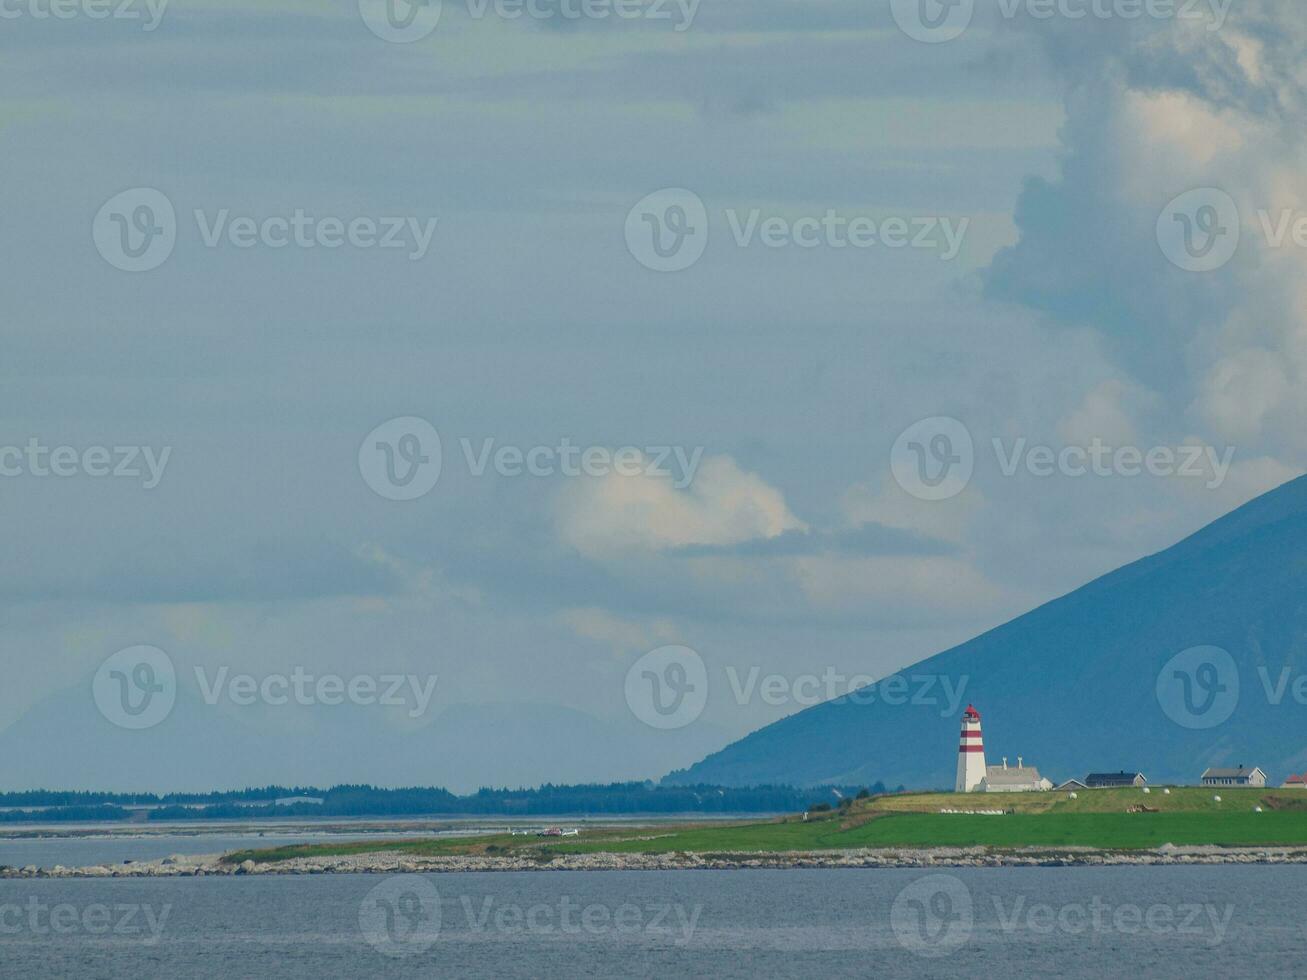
(971, 754)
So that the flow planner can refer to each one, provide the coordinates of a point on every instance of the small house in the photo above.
(1071, 785)
(1295, 782)
(1239, 776)
(1014, 779)
(1114, 780)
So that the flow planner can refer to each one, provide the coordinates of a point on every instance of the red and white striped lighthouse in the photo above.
(971, 753)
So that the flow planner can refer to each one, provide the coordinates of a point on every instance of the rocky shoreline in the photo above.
(391, 862)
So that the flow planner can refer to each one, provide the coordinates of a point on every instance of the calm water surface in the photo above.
(1048, 922)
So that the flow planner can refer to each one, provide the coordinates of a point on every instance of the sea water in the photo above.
(1228, 920)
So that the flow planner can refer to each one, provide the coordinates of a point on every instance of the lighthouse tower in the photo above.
(971, 754)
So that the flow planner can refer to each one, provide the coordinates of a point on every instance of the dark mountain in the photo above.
(1073, 686)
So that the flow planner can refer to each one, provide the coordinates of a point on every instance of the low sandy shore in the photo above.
(936, 857)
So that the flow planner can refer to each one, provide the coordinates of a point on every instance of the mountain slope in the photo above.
(1073, 686)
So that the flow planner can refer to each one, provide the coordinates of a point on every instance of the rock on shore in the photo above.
(391, 862)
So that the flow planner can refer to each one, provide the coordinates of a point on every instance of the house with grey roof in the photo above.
(1114, 780)
(1014, 779)
(1238, 776)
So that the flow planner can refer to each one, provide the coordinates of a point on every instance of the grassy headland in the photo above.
(1096, 818)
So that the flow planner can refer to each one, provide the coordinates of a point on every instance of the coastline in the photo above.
(387, 863)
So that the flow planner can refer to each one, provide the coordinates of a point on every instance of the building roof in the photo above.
(1105, 777)
(1072, 782)
(1232, 773)
(971, 712)
(1295, 779)
(1011, 775)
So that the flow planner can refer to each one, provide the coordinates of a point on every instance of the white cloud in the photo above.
(1107, 413)
(621, 635)
(606, 516)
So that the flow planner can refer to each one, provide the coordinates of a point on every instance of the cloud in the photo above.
(1108, 412)
(1154, 111)
(869, 539)
(723, 505)
(621, 635)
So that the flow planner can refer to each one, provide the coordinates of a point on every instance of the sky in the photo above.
(556, 363)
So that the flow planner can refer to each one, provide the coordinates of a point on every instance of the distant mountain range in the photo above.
(65, 743)
(1103, 679)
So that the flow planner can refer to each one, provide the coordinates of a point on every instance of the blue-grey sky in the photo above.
(778, 369)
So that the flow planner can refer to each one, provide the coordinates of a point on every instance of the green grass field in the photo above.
(1097, 818)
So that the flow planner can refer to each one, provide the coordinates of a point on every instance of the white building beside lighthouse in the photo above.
(971, 754)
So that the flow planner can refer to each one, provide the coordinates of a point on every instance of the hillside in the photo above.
(1073, 685)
